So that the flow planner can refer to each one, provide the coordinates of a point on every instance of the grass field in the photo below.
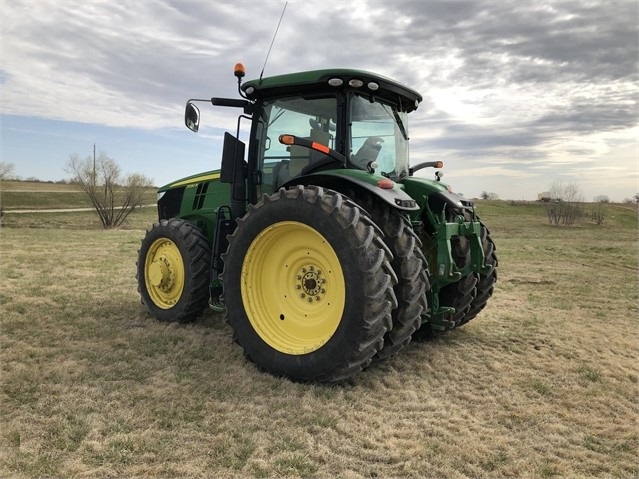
(25, 195)
(543, 383)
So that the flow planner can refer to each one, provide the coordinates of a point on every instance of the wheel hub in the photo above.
(161, 274)
(311, 283)
(164, 273)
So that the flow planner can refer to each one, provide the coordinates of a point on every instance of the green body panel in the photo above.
(191, 180)
(365, 176)
(202, 196)
(419, 188)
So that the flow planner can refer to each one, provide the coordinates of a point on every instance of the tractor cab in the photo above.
(359, 116)
(310, 122)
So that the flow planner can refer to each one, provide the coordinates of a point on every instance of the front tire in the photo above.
(173, 271)
(308, 285)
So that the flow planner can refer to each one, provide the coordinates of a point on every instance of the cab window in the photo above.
(313, 119)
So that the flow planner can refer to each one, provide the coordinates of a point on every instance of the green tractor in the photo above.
(319, 243)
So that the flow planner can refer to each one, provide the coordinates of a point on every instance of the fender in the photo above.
(454, 202)
(338, 181)
(436, 195)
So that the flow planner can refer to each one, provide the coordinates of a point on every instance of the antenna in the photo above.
(273, 41)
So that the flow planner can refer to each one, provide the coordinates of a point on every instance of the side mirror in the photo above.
(192, 117)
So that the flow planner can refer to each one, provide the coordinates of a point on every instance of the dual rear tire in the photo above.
(308, 285)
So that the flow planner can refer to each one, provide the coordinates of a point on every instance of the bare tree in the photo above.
(602, 199)
(485, 195)
(112, 196)
(566, 205)
(598, 213)
(5, 170)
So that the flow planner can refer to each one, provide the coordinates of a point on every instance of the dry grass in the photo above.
(542, 384)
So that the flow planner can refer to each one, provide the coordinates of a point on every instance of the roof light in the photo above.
(250, 90)
(372, 86)
(385, 184)
(355, 83)
(239, 70)
(335, 82)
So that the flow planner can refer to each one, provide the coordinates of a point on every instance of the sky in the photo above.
(517, 94)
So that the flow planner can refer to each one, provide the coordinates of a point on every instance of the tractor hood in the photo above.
(191, 180)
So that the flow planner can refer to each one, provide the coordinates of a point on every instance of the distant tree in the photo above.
(628, 201)
(113, 196)
(5, 170)
(485, 195)
(636, 197)
(602, 199)
(566, 206)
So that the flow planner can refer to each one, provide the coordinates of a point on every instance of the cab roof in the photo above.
(318, 81)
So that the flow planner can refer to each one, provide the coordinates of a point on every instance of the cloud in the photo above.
(508, 81)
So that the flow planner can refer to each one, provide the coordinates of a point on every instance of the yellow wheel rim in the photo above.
(164, 273)
(293, 288)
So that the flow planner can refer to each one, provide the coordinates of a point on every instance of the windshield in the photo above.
(379, 132)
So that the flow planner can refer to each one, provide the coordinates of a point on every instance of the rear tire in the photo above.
(173, 271)
(460, 296)
(410, 267)
(308, 285)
